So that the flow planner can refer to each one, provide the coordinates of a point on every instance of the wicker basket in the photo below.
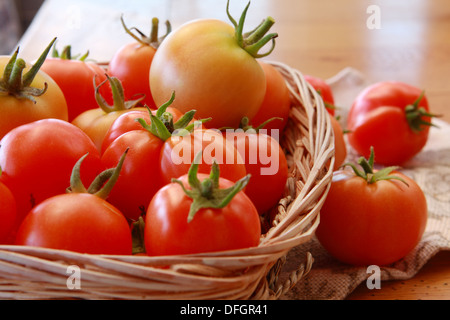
(38, 273)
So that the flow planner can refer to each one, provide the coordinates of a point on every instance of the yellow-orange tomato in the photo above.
(211, 67)
(209, 72)
(17, 111)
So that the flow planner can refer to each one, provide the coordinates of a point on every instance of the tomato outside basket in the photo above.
(39, 273)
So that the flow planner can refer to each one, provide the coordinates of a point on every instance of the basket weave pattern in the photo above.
(38, 273)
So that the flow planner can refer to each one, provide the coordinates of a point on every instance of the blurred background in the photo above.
(15, 17)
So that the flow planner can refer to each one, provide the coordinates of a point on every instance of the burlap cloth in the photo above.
(330, 279)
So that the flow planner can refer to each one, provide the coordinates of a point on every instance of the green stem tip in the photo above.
(255, 40)
(207, 193)
(368, 173)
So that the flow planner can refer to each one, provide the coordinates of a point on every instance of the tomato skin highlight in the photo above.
(81, 223)
(364, 224)
(167, 231)
(202, 62)
(377, 118)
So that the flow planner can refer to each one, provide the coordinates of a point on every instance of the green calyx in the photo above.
(253, 41)
(207, 193)
(163, 126)
(415, 114)
(152, 40)
(119, 102)
(15, 83)
(247, 127)
(102, 184)
(367, 172)
(66, 54)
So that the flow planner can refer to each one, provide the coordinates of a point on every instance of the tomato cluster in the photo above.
(177, 140)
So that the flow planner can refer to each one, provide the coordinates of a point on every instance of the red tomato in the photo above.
(217, 74)
(266, 162)
(393, 118)
(75, 78)
(171, 229)
(37, 160)
(79, 222)
(178, 153)
(366, 220)
(339, 143)
(28, 94)
(131, 63)
(128, 122)
(324, 90)
(96, 122)
(277, 101)
(8, 211)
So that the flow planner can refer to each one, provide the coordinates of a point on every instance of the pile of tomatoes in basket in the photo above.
(136, 156)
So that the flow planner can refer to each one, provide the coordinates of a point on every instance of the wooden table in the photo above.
(409, 42)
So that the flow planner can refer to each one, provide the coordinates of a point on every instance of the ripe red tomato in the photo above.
(178, 154)
(216, 74)
(75, 77)
(37, 160)
(266, 162)
(366, 220)
(79, 222)
(27, 94)
(277, 101)
(8, 212)
(175, 224)
(324, 90)
(392, 117)
(131, 63)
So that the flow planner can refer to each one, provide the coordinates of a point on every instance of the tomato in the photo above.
(129, 121)
(277, 100)
(27, 94)
(8, 211)
(266, 162)
(191, 216)
(142, 174)
(37, 160)
(74, 77)
(78, 221)
(366, 220)
(96, 122)
(178, 153)
(322, 87)
(213, 70)
(131, 63)
(339, 143)
(392, 117)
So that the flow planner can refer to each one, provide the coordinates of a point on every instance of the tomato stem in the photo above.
(102, 184)
(253, 41)
(153, 40)
(17, 84)
(162, 125)
(119, 102)
(368, 172)
(206, 193)
(415, 114)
